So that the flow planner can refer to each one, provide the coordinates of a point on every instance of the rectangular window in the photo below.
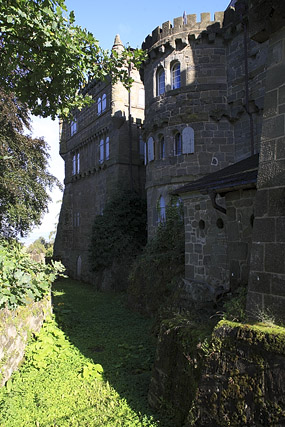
(101, 151)
(73, 127)
(78, 162)
(104, 102)
(107, 148)
(74, 164)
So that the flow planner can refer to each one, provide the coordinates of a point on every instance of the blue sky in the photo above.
(133, 22)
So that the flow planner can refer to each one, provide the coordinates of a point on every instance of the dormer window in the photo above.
(175, 76)
(160, 81)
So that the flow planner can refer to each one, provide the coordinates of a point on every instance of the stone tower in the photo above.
(198, 102)
(102, 151)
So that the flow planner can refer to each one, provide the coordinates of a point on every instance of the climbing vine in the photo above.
(120, 232)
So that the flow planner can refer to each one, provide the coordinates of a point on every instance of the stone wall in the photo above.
(15, 329)
(238, 380)
(267, 275)
(205, 242)
(243, 379)
(218, 245)
(240, 218)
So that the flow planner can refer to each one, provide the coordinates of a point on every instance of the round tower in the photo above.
(185, 82)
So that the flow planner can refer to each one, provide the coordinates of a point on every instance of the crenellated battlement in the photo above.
(192, 26)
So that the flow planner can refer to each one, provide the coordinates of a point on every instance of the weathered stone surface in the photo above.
(243, 382)
(15, 327)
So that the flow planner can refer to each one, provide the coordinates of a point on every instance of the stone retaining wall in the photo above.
(15, 328)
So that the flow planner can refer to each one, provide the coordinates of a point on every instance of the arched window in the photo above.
(104, 102)
(160, 81)
(177, 144)
(161, 214)
(188, 140)
(99, 106)
(107, 148)
(73, 127)
(162, 148)
(150, 149)
(175, 76)
(101, 151)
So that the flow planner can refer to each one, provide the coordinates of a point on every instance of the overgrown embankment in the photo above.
(90, 366)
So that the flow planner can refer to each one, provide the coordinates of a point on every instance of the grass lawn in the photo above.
(89, 366)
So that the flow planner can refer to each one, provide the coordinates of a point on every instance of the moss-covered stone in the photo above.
(16, 326)
(243, 381)
(181, 347)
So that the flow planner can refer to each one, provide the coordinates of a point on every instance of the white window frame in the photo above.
(175, 76)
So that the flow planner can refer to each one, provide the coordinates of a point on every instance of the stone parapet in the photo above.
(181, 26)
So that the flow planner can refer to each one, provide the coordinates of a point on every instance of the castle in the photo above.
(207, 101)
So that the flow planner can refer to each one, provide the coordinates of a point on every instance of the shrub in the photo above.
(120, 233)
(154, 273)
(23, 280)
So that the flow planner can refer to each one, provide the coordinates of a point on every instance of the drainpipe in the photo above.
(215, 205)
(245, 38)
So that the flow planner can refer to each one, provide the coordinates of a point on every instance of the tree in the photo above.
(46, 60)
(24, 178)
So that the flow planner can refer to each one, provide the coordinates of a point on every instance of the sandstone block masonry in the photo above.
(15, 328)
(218, 100)
(267, 276)
(102, 153)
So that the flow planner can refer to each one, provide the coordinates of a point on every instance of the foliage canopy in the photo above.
(24, 177)
(21, 279)
(46, 59)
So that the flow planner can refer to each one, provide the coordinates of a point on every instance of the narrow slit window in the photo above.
(177, 144)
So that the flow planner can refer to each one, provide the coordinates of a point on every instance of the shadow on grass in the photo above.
(104, 330)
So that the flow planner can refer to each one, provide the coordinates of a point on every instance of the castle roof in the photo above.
(240, 175)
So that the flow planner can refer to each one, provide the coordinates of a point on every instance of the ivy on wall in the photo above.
(120, 233)
(155, 271)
